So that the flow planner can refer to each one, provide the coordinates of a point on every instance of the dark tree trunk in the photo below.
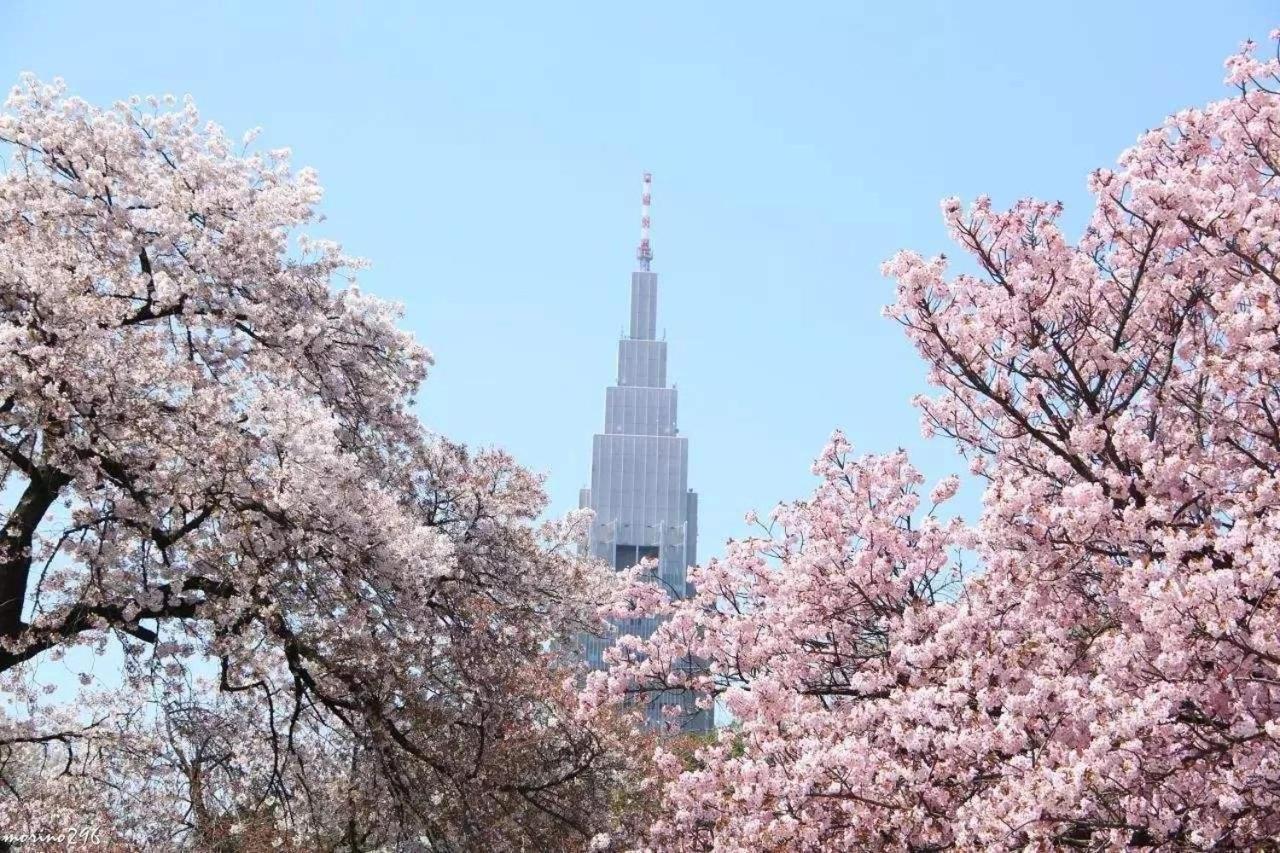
(15, 545)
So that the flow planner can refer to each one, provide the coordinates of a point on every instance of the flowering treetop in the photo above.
(211, 461)
(1111, 674)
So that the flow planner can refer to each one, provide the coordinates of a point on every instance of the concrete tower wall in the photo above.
(640, 478)
(642, 363)
(644, 306)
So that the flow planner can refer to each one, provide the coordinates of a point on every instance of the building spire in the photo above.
(643, 253)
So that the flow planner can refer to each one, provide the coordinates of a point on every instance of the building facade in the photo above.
(639, 488)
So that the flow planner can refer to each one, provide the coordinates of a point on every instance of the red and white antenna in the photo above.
(644, 254)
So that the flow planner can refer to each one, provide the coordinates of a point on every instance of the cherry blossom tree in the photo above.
(316, 624)
(1108, 674)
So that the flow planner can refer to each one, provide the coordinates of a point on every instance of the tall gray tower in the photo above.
(639, 490)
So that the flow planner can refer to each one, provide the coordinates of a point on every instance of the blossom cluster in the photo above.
(1109, 673)
(309, 621)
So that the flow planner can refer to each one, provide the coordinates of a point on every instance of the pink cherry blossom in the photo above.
(1096, 662)
(311, 623)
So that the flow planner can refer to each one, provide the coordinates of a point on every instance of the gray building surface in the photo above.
(639, 489)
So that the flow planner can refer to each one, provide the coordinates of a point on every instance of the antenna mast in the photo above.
(644, 254)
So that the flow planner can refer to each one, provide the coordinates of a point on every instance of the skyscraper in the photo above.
(639, 489)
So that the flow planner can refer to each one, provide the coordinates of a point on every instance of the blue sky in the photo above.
(487, 158)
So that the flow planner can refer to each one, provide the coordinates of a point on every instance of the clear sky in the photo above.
(487, 158)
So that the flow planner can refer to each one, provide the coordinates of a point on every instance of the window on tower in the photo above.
(626, 556)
